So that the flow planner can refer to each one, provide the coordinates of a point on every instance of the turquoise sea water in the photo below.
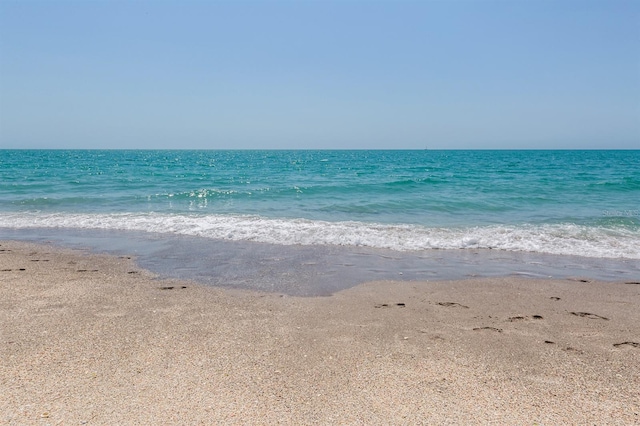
(584, 203)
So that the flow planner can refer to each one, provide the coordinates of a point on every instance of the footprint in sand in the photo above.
(452, 305)
(519, 318)
(632, 344)
(589, 315)
(499, 330)
(386, 305)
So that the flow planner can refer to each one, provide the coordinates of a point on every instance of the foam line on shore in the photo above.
(611, 241)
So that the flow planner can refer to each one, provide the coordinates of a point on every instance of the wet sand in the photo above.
(94, 339)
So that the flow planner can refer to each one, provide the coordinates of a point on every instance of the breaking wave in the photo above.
(609, 241)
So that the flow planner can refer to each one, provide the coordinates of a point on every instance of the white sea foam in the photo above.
(565, 239)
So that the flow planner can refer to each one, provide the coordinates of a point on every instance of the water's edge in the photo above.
(317, 270)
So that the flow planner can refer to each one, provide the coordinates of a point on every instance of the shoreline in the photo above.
(97, 339)
(301, 270)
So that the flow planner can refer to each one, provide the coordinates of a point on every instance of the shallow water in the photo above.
(318, 270)
(558, 202)
(313, 222)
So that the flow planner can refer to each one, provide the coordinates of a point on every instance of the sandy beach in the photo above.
(94, 339)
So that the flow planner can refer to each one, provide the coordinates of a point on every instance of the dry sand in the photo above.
(89, 339)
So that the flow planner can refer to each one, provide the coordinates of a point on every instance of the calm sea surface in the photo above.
(581, 203)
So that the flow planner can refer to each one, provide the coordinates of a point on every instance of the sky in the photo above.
(353, 74)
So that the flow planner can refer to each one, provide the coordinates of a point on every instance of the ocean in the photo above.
(538, 211)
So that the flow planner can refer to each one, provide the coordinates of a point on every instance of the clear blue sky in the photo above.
(320, 74)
